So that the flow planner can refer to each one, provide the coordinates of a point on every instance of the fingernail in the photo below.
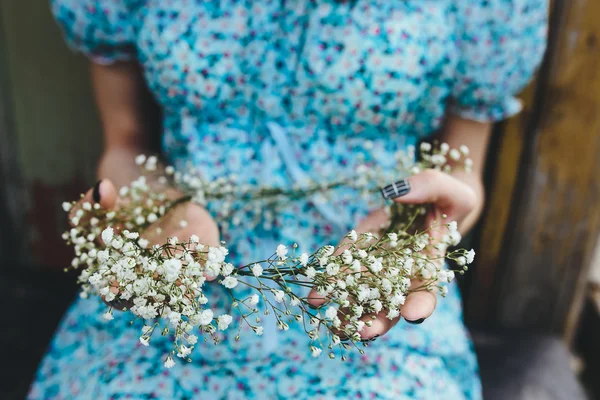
(416, 322)
(396, 189)
(370, 339)
(96, 192)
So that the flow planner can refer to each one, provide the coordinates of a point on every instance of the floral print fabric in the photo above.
(278, 92)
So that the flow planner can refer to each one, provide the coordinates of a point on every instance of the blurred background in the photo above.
(532, 300)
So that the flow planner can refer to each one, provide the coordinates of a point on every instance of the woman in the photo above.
(274, 90)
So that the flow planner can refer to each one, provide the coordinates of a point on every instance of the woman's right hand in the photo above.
(199, 221)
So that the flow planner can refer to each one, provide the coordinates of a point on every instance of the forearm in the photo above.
(122, 100)
(474, 135)
(475, 182)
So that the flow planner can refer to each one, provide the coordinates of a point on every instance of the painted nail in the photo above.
(396, 189)
(416, 322)
(96, 192)
(370, 339)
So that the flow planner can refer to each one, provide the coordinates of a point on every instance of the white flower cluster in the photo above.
(163, 284)
(437, 157)
(259, 204)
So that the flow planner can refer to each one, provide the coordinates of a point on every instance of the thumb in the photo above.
(103, 193)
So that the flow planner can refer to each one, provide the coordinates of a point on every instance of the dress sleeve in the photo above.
(101, 29)
(501, 44)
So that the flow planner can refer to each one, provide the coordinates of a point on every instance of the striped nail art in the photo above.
(396, 189)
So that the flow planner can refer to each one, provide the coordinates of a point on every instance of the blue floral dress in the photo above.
(277, 92)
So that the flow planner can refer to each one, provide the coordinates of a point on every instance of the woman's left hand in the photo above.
(447, 195)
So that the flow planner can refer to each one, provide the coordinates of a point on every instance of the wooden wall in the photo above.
(48, 130)
(543, 217)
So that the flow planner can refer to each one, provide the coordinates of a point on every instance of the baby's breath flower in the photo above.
(470, 256)
(131, 235)
(316, 351)
(172, 267)
(205, 317)
(192, 339)
(227, 269)
(393, 313)
(281, 252)
(353, 236)
(257, 270)
(468, 164)
(398, 299)
(359, 325)
(253, 300)
(230, 282)
(184, 351)
(95, 279)
(331, 312)
(169, 363)
(310, 272)
(140, 159)
(438, 160)
(174, 318)
(117, 243)
(443, 291)
(223, 321)
(279, 295)
(282, 326)
(107, 235)
(347, 257)
(425, 146)
(332, 269)
(328, 251)
(454, 154)
(258, 330)
(444, 147)
(303, 259)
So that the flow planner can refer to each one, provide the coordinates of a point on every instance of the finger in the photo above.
(379, 326)
(453, 196)
(315, 299)
(103, 193)
(419, 305)
(197, 222)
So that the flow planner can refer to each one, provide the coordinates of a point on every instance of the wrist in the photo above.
(118, 165)
(475, 182)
